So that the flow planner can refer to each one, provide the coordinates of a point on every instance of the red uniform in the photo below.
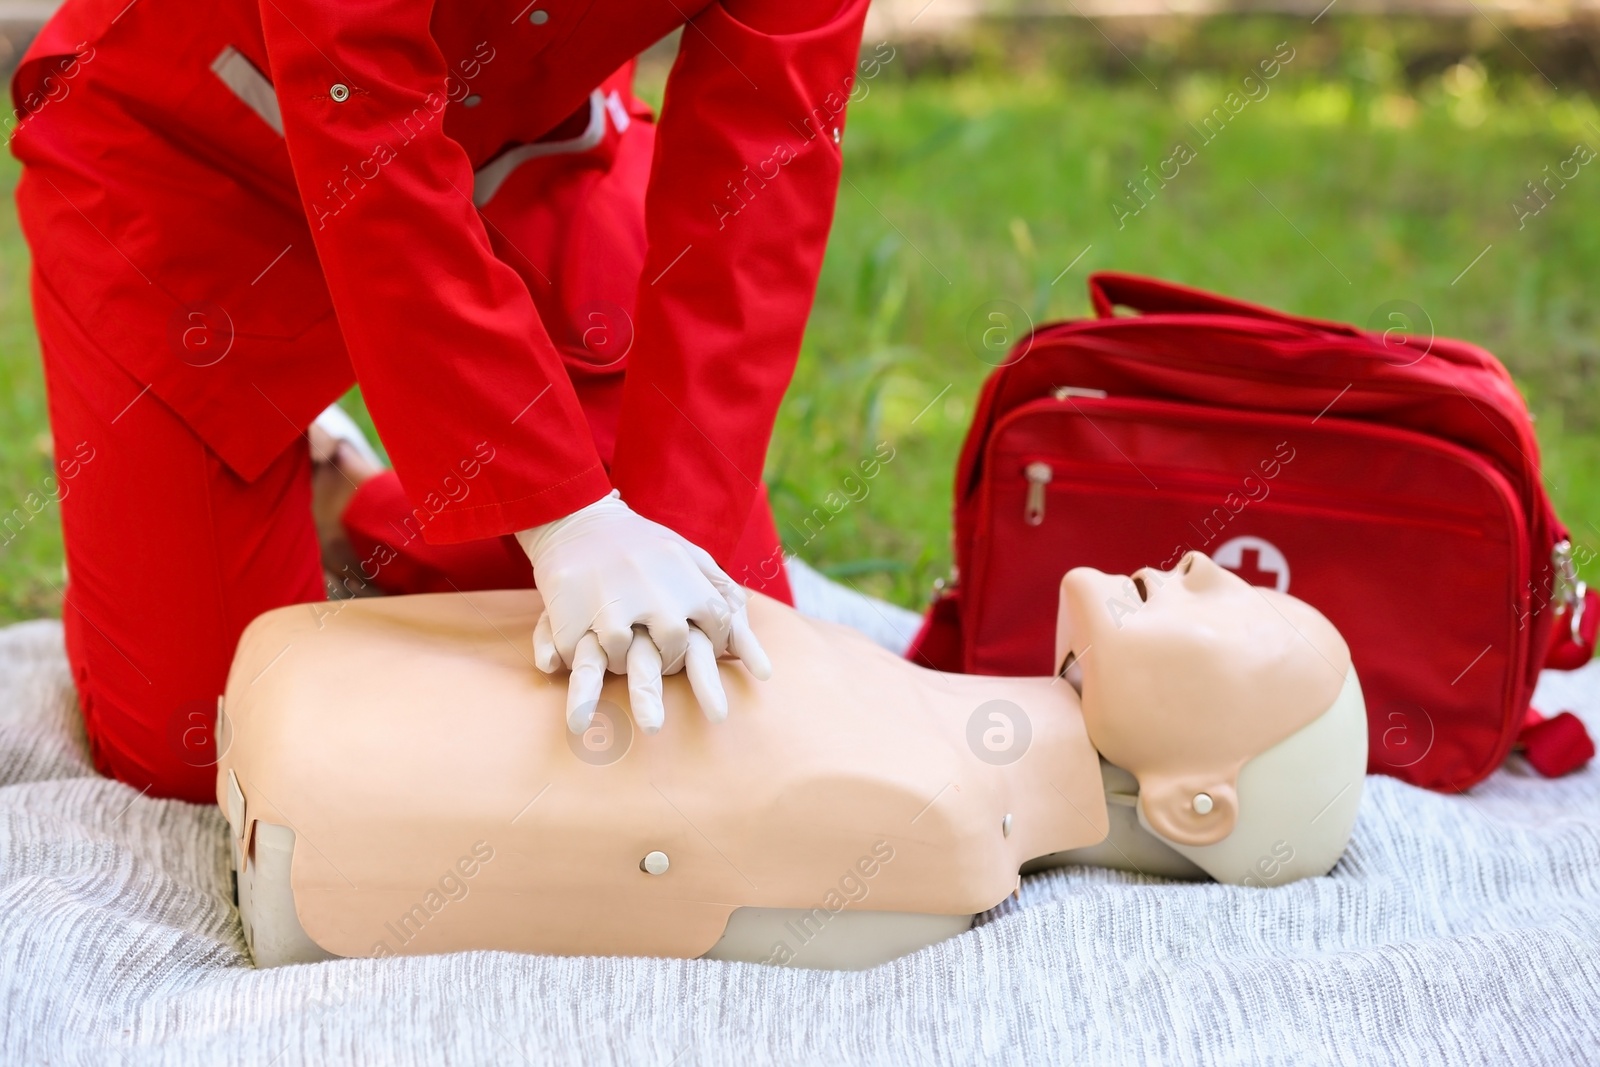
(235, 211)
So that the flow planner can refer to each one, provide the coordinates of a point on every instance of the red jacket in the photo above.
(247, 275)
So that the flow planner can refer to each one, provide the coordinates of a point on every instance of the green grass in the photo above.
(30, 558)
(985, 184)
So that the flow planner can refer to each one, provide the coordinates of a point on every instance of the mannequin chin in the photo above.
(852, 809)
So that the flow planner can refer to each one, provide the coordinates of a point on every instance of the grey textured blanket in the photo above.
(1456, 930)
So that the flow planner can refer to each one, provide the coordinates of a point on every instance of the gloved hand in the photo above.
(624, 594)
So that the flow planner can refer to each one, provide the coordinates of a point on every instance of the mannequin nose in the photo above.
(1197, 570)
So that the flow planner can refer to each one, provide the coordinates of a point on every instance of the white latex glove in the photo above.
(624, 594)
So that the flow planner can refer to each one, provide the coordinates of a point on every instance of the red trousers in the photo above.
(170, 554)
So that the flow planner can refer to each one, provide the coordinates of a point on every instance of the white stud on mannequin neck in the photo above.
(655, 863)
(1202, 803)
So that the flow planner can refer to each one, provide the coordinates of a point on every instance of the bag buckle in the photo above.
(1570, 591)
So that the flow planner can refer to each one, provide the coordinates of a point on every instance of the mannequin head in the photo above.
(1233, 706)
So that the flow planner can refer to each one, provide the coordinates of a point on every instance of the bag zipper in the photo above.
(1039, 475)
(1525, 442)
(1066, 479)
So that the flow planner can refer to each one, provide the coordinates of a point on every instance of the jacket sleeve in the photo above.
(737, 214)
(482, 423)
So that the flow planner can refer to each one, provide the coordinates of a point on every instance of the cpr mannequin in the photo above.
(398, 777)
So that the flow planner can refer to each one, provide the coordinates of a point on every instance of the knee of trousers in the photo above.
(153, 729)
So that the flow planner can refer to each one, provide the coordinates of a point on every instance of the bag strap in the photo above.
(1576, 629)
(1556, 745)
(1109, 290)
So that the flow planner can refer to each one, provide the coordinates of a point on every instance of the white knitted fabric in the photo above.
(821, 597)
(1458, 929)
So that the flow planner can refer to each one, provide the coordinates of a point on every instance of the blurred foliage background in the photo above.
(1393, 148)
(1383, 163)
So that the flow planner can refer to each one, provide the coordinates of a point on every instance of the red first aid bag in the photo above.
(1392, 481)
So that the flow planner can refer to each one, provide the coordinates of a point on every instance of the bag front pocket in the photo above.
(1414, 548)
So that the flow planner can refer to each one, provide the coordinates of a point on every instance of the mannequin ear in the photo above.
(1189, 812)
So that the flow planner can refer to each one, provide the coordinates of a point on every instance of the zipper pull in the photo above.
(1038, 475)
(1065, 392)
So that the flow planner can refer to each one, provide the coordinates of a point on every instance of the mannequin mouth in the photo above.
(1072, 672)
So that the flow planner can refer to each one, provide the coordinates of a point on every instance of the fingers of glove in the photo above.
(712, 617)
(746, 647)
(566, 627)
(734, 596)
(545, 656)
(583, 687)
(731, 591)
(708, 606)
(700, 663)
(644, 682)
(615, 632)
(671, 637)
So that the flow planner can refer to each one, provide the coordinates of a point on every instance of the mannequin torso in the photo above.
(848, 765)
